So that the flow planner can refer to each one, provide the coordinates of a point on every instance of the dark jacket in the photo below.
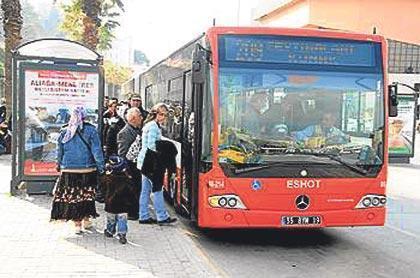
(110, 143)
(2, 113)
(143, 112)
(125, 138)
(119, 193)
(156, 163)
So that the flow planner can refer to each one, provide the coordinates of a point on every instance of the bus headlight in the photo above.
(226, 201)
(366, 202)
(222, 202)
(371, 201)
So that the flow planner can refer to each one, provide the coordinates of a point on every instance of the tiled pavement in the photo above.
(31, 246)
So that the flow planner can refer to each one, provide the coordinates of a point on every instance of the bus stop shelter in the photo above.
(402, 128)
(50, 78)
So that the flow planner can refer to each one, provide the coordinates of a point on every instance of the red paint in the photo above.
(266, 207)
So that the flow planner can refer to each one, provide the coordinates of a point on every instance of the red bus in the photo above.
(276, 127)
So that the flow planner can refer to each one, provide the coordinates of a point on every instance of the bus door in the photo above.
(187, 144)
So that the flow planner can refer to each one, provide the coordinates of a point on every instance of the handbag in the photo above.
(133, 151)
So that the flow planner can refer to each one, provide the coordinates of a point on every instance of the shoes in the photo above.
(168, 220)
(100, 196)
(108, 233)
(148, 221)
(122, 239)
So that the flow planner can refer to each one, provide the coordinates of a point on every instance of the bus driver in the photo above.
(252, 120)
(325, 129)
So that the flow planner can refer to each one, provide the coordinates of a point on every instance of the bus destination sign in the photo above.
(298, 50)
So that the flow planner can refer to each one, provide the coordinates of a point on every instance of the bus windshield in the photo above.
(273, 113)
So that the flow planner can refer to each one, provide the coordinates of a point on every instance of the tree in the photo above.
(34, 26)
(116, 74)
(12, 25)
(92, 22)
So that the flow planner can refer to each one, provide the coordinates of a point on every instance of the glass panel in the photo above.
(401, 127)
(50, 96)
(268, 116)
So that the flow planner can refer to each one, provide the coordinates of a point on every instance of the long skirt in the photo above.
(74, 196)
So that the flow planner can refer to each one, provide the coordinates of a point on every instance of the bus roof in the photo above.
(301, 32)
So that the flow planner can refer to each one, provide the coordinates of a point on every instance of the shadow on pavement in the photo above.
(150, 248)
(290, 238)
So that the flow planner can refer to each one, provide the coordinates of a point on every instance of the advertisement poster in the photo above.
(50, 96)
(401, 127)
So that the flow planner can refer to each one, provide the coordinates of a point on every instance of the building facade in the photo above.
(396, 20)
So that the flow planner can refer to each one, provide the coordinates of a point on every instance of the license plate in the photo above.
(301, 220)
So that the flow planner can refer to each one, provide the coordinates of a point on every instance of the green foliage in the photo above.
(32, 24)
(72, 24)
(116, 74)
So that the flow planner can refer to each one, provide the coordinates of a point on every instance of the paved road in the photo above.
(390, 251)
(31, 246)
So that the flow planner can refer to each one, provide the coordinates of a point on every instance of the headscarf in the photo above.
(76, 121)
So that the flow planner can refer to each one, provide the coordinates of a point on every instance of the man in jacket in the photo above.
(125, 138)
(135, 102)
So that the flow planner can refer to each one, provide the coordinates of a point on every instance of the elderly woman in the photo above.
(79, 159)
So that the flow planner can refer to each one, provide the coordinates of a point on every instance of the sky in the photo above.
(159, 27)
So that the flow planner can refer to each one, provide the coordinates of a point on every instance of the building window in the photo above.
(403, 57)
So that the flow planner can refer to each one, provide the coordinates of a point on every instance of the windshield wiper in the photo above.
(257, 167)
(336, 157)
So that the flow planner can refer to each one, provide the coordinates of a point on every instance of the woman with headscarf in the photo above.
(79, 160)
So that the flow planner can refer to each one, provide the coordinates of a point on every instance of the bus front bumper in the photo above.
(236, 218)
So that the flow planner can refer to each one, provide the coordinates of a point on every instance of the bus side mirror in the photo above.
(200, 60)
(392, 100)
(417, 91)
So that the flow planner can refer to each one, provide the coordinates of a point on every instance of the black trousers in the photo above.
(136, 189)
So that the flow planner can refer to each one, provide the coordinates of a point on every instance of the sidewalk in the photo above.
(5, 173)
(31, 246)
(404, 179)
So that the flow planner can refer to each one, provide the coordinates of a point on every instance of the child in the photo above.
(117, 198)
